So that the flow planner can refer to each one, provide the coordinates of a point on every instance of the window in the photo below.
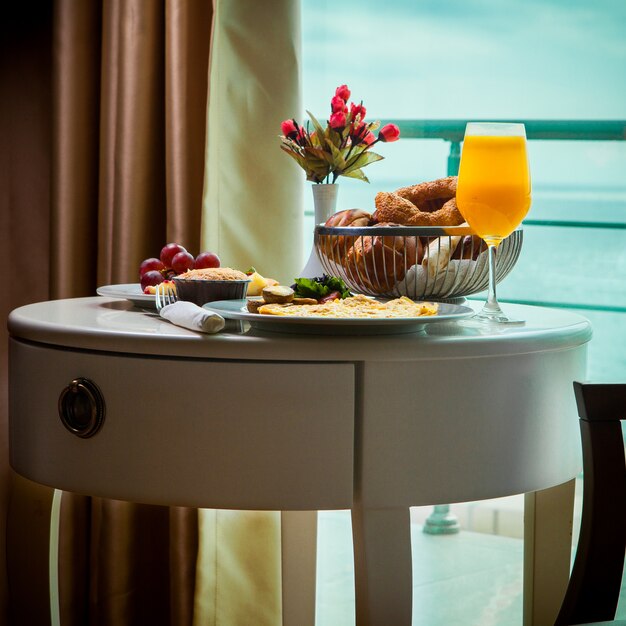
(487, 59)
(484, 59)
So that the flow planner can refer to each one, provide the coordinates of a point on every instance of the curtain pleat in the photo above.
(132, 203)
(130, 555)
(183, 553)
(75, 111)
(187, 40)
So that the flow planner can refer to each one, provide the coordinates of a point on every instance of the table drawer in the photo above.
(222, 434)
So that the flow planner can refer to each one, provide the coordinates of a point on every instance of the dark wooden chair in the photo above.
(594, 585)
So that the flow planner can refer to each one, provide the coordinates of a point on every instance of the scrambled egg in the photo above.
(358, 306)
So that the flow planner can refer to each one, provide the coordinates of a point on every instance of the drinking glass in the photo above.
(493, 193)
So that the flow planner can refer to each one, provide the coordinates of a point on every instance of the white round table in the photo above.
(280, 421)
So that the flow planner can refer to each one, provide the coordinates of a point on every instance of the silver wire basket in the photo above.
(421, 262)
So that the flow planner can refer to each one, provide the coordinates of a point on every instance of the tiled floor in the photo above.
(473, 578)
(481, 573)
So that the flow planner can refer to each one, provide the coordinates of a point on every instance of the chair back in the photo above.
(594, 586)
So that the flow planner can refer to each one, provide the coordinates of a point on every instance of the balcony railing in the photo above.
(559, 130)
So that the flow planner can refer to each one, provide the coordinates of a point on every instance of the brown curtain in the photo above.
(103, 121)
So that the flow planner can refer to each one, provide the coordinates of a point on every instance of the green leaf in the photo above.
(318, 127)
(319, 287)
(310, 288)
(362, 159)
(320, 168)
(300, 160)
(331, 138)
(316, 140)
(320, 154)
(334, 283)
(356, 174)
(338, 160)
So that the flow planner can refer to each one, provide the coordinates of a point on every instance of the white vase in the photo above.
(325, 204)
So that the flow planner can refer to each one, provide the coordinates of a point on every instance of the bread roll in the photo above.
(378, 262)
(336, 247)
(349, 217)
(469, 248)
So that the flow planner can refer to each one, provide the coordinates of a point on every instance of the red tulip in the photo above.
(389, 132)
(289, 129)
(358, 129)
(357, 110)
(343, 92)
(359, 132)
(301, 136)
(337, 104)
(337, 120)
(369, 139)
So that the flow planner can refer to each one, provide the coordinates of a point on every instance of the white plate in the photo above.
(236, 310)
(130, 291)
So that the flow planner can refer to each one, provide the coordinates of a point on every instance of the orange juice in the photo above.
(493, 192)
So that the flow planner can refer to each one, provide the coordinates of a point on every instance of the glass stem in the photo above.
(492, 306)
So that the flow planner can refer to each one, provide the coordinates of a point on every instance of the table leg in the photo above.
(53, 558)
(383, 567)
(548, 516)
(299, 560)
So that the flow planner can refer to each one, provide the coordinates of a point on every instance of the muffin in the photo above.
(210, 284)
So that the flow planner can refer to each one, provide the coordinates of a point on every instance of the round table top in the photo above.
(115, 325)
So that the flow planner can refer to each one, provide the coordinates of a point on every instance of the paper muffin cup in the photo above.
(202, 291)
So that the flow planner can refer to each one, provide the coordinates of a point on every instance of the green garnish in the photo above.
(319, 287)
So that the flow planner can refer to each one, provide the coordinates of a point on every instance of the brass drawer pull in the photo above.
(82, 408)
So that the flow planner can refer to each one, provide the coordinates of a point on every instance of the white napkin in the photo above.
(191, 316)
(457, 275)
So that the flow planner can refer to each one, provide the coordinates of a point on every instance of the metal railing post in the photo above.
(441, 521)
(454, 158)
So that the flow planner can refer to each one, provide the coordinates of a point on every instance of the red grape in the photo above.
(150, 264)
(152, 277)
(169, 252)
(207, 259)
(182, 262)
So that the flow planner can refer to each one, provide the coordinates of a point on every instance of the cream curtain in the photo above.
(252, 207)
(252, 215)
(238, 577)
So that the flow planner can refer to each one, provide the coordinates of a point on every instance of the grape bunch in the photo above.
(173, 260)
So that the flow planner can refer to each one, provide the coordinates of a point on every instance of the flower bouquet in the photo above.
(343, 148)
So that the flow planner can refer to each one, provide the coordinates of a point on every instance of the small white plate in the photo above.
(130, 291)
(236, 310)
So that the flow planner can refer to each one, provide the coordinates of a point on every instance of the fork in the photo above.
(164, 295)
